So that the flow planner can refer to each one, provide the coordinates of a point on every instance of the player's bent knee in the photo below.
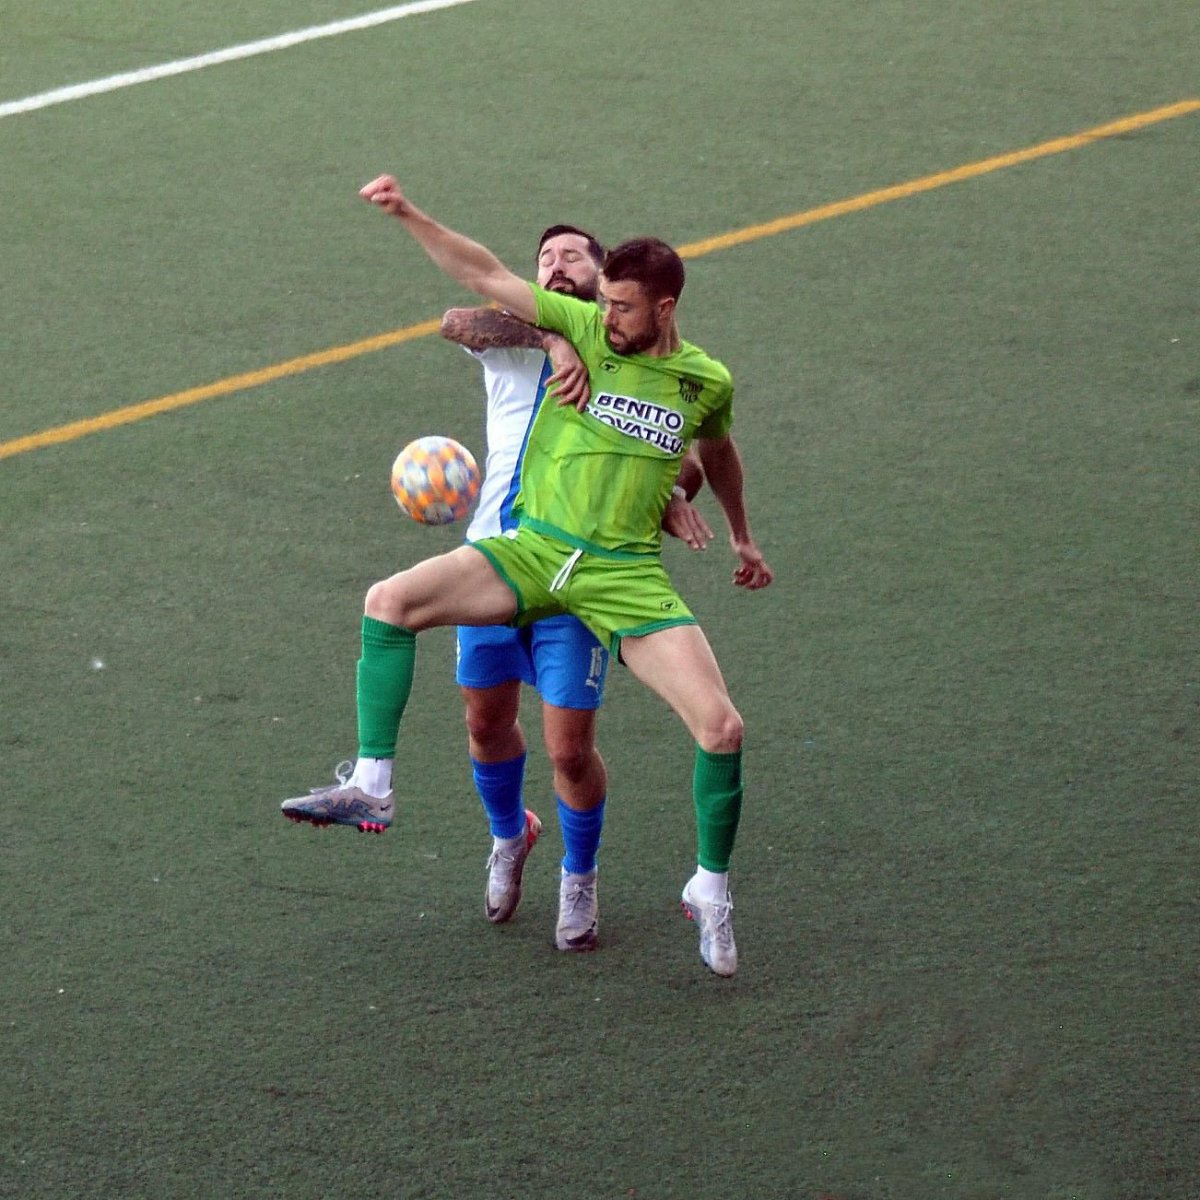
(391, 600)
(571, 758)
(723, 733)
(488, 727)
(374, 604)
(381, 603)
(569, 736)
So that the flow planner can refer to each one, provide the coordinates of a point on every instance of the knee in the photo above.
(385, 602)
(489, 727)
(722, 732)
(571, 756)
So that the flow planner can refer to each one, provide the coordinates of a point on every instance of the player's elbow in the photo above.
(713, 453)
(691, 474)
(510, 292)
(455, 324)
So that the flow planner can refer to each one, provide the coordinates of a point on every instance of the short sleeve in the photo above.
(564, 314)
(718, 422)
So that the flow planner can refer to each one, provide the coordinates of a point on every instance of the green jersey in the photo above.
(600, 480)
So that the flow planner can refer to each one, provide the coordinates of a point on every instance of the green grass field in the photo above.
(966, 879)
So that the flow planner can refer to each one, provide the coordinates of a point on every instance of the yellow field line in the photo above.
(210, 391)
(929, 182)
(337, 354)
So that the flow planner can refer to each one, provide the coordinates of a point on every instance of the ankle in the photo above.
(711, 886)
(373, 776)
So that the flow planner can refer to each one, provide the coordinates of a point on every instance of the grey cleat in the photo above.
(341, 804)
(506, 867)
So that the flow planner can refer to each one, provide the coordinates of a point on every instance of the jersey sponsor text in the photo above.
(654, 424)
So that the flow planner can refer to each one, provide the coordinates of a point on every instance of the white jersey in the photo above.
(515, 380)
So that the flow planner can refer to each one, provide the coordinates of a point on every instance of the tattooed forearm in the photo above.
(486, 328)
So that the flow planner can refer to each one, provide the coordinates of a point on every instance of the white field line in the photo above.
(182, 66)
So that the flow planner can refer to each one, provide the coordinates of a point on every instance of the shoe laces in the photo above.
(717, 921)
(580, 891)
(507, 859)
(342, 773)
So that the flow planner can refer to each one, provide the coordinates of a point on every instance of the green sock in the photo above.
(385, 675)
(717, 796)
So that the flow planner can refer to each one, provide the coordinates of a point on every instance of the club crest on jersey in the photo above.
(654, 424)
(689, 390)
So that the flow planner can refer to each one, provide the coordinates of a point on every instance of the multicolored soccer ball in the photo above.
(435, 480)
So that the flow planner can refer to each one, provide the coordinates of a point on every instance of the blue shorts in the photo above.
(557, 655)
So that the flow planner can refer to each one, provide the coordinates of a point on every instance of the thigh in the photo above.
(569, 664)
(526, 563)
(459, 588)
(678, 664)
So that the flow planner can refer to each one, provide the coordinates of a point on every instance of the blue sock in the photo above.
(500, 787)
(581, 837)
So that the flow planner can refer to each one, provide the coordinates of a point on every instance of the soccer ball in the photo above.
(435, 480)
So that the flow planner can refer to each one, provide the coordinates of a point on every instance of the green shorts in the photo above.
(614, 597)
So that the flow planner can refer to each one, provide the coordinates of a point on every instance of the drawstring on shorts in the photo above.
(560, 580)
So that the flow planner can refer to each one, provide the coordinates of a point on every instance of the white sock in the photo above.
(373, 776)
(712, 886)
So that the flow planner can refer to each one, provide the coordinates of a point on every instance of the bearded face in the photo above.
(566, 266)
(632, 321)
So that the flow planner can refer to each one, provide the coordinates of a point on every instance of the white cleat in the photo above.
(715, 919)
(578, 913)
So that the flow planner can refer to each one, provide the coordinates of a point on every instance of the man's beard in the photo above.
(638, 343)
(568, 287)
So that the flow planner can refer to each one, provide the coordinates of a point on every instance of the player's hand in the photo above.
(385, 192)
(684, 521)
(752, 571)
(569, 383)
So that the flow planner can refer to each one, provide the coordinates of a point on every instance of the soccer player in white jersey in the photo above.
(558, 656)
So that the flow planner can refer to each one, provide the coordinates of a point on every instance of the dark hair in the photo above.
(594, 248)
(648, 261)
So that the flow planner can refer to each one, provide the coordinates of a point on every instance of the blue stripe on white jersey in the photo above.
(507, 520)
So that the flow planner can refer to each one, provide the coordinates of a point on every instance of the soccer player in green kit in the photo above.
(594, 485)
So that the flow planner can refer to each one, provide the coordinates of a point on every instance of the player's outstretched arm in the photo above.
(488, 328)
(473, 265)
(491, 328)
(723, 469)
